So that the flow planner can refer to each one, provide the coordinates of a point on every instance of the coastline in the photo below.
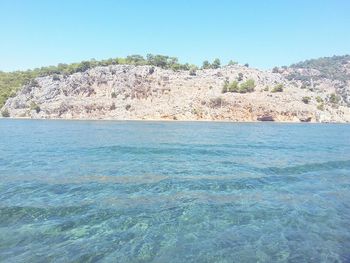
(169, 120)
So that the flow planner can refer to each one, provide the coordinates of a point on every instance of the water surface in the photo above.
(80, 191)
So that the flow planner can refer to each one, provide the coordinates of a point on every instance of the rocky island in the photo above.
(141, 89)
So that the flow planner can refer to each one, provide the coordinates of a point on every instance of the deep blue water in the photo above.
(80, 191)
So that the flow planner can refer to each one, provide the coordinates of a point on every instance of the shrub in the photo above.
(275, 70)
(246, 65)
(225, 86)
(83, 66)
(334, 99)
(33, 83)
(55, 77)
(306, 100)
(151, 70)
(34, 106)
(319, 99)
(231, 63)
(112, 107)
(193, 72)
(247, 86)
(278, 88)
(320, 106)
(217, 102)
(128, 106)
(113, 95)
(266, 88)
(233, 87)
(5, 113)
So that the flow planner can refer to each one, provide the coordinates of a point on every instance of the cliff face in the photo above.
(149, 93)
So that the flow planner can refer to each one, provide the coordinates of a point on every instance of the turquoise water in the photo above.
(79, 191)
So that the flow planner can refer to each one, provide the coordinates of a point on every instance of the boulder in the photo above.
(305, 119)
(265, 117)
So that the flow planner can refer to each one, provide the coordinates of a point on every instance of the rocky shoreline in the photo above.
(128, 92)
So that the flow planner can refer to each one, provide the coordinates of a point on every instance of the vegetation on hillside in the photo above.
(234, 86)
(10, 82)
(216, 64)
(278, 88)
(306, 99)
(329, 67)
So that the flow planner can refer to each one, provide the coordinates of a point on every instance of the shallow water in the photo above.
(80, 191)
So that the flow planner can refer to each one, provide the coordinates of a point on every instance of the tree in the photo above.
(232, 63)
(216, 63)
(275, 70)
(206, 64)
(83, 66)
(136, 59)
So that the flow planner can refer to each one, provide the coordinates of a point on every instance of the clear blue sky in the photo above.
(263, 33)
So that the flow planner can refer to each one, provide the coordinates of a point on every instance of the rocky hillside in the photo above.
(314, 73)
(236, 93)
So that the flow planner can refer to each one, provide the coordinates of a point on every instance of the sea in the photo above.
(143, 191)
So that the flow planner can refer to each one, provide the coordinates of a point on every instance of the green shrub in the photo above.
(278, 88)
(113, 95)
(334, 99)
(233, 87)
(247, 86)
(231, 63)
(319, 99)
(34, 106)
(225, 87)
(306, 100)
(5, 113)
(320, 106)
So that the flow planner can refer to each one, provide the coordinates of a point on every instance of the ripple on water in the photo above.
(173, 192)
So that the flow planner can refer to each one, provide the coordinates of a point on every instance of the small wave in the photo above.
(306, 168)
